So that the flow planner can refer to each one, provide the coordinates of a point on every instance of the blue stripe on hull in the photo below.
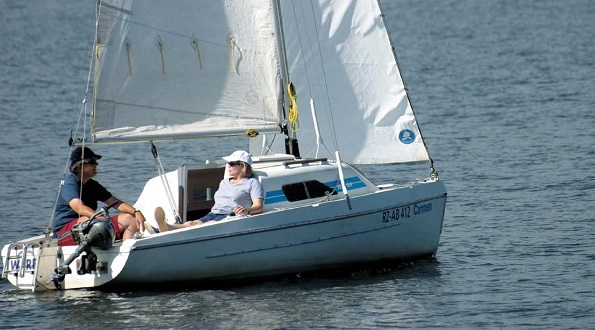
(277, 196)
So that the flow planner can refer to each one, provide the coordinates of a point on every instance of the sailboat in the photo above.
(315, 89)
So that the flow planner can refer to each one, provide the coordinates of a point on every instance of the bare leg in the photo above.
(127, 226)
(160, 218)
(164, 226)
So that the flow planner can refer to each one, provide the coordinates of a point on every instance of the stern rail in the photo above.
(20, 270)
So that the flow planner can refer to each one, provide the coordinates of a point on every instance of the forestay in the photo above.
(194, 69)
(340, 56)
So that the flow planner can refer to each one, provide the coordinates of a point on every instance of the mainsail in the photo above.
(185, 69)
(340, 56)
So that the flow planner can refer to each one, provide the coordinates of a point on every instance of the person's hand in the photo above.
(140, 220)
(239, 209)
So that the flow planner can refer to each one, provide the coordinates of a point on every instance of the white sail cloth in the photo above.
(340, 55)
(185, 68)
(205, 68)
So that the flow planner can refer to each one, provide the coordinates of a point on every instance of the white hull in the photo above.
(297, 240)
(394, 223)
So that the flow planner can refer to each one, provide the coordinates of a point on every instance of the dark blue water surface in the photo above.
(504, 92)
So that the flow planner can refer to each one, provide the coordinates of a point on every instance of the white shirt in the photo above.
(242, 193)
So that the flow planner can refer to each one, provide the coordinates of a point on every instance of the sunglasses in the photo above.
(238, 163)
(91, 161)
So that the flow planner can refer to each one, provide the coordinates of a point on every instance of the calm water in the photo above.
(504, 92)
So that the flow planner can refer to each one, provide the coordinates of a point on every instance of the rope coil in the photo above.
(293, 117)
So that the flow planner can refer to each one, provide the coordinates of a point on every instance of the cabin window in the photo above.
(306, 190)
(200, 194)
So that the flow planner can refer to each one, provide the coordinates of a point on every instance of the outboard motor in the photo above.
(95, 232)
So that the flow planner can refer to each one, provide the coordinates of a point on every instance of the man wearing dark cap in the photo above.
(79, 196)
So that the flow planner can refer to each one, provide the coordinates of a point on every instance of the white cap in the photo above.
(239, 155)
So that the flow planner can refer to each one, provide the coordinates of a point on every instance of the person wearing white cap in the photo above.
(239, 193)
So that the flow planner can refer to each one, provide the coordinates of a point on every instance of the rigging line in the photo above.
(330, 112)
(268, 149)
(282, 37)
(84, 106)
(309, 85)
(87, 51)
(89, 73)
(303, 59)
(321, 82)
(170, 195)
(83, 111)
(301, 46)
(66, 170)
(284, 68)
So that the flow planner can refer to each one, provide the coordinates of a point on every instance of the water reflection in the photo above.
(387, 295)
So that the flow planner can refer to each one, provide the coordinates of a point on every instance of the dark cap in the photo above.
(78, 154)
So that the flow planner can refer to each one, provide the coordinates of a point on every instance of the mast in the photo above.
(290, 124)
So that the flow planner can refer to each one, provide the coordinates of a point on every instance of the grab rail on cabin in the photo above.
(302, 161)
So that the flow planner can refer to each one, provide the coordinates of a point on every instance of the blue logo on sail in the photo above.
(407, 136)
